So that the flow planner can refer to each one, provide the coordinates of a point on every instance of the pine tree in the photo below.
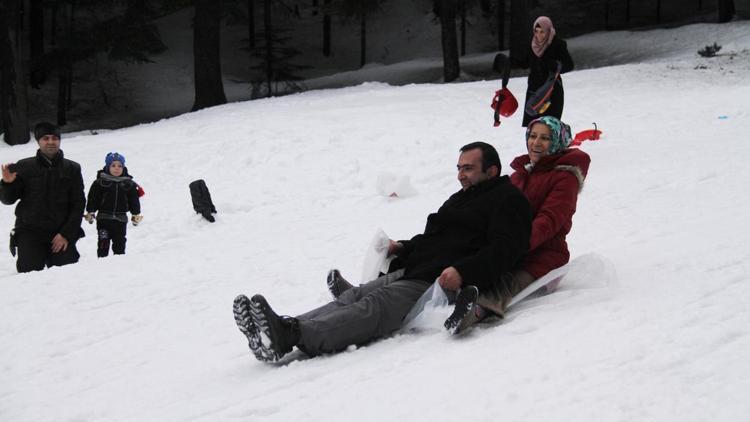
(275, 73)
(38, 75)
(447, 12)
(520, 32)
(359, 10)
(500, 22)
(95, 32)
(14, 110)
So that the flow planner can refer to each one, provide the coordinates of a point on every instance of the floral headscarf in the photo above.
(560, 133)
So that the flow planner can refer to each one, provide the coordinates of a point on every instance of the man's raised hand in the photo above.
(8, 176)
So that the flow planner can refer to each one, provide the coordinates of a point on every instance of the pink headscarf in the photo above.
(546, 24)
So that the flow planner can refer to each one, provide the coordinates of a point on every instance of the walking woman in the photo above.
(547, 51)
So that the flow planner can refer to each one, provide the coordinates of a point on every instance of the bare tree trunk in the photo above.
(463, 28)
(500, 13)
(251, 24)
(14, 108)
(606, 15)
(62, 92)
(136, 8)
(53, 25)
(363, 39)
(69, 60)
(62, 69)
(658, 11)
(627, 11)
(209, 88)
(726, 10)
(520, 32)
(451, 66)
(36, 36)
(326, 30)
(269, 41)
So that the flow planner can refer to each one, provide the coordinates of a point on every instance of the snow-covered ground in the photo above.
(652, 323)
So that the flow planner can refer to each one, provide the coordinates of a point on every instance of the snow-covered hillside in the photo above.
(650, 325)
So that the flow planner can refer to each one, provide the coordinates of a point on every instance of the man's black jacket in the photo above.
(51, 195)
(483, 232)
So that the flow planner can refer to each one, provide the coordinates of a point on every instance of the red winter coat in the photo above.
(552, 187)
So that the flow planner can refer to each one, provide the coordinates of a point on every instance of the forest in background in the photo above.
(51, 51)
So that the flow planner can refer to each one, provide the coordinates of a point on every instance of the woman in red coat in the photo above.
(551, 175)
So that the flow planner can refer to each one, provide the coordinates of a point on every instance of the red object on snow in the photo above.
(504, 104)
(586, 135)
(140, 191)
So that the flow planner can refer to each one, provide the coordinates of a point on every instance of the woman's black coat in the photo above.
(539, 70)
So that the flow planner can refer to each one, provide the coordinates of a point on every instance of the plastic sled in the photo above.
(504, 103)
(586, 135)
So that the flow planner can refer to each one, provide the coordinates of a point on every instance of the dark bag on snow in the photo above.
(202, 203)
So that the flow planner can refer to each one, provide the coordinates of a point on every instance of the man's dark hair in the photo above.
(489, 155)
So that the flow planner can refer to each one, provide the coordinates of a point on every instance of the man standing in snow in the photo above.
(49, 214)
(479, 233)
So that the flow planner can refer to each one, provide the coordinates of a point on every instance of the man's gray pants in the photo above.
(361, 314)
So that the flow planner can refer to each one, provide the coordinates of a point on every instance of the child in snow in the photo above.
(113, 194)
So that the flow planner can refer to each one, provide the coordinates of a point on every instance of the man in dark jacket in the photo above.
(48, 216)
(479, 233)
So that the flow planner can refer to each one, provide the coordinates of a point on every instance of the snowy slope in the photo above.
(651, 326)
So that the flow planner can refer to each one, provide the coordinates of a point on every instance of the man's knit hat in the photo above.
(43, 129)
(114, 156)
(560, 133)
